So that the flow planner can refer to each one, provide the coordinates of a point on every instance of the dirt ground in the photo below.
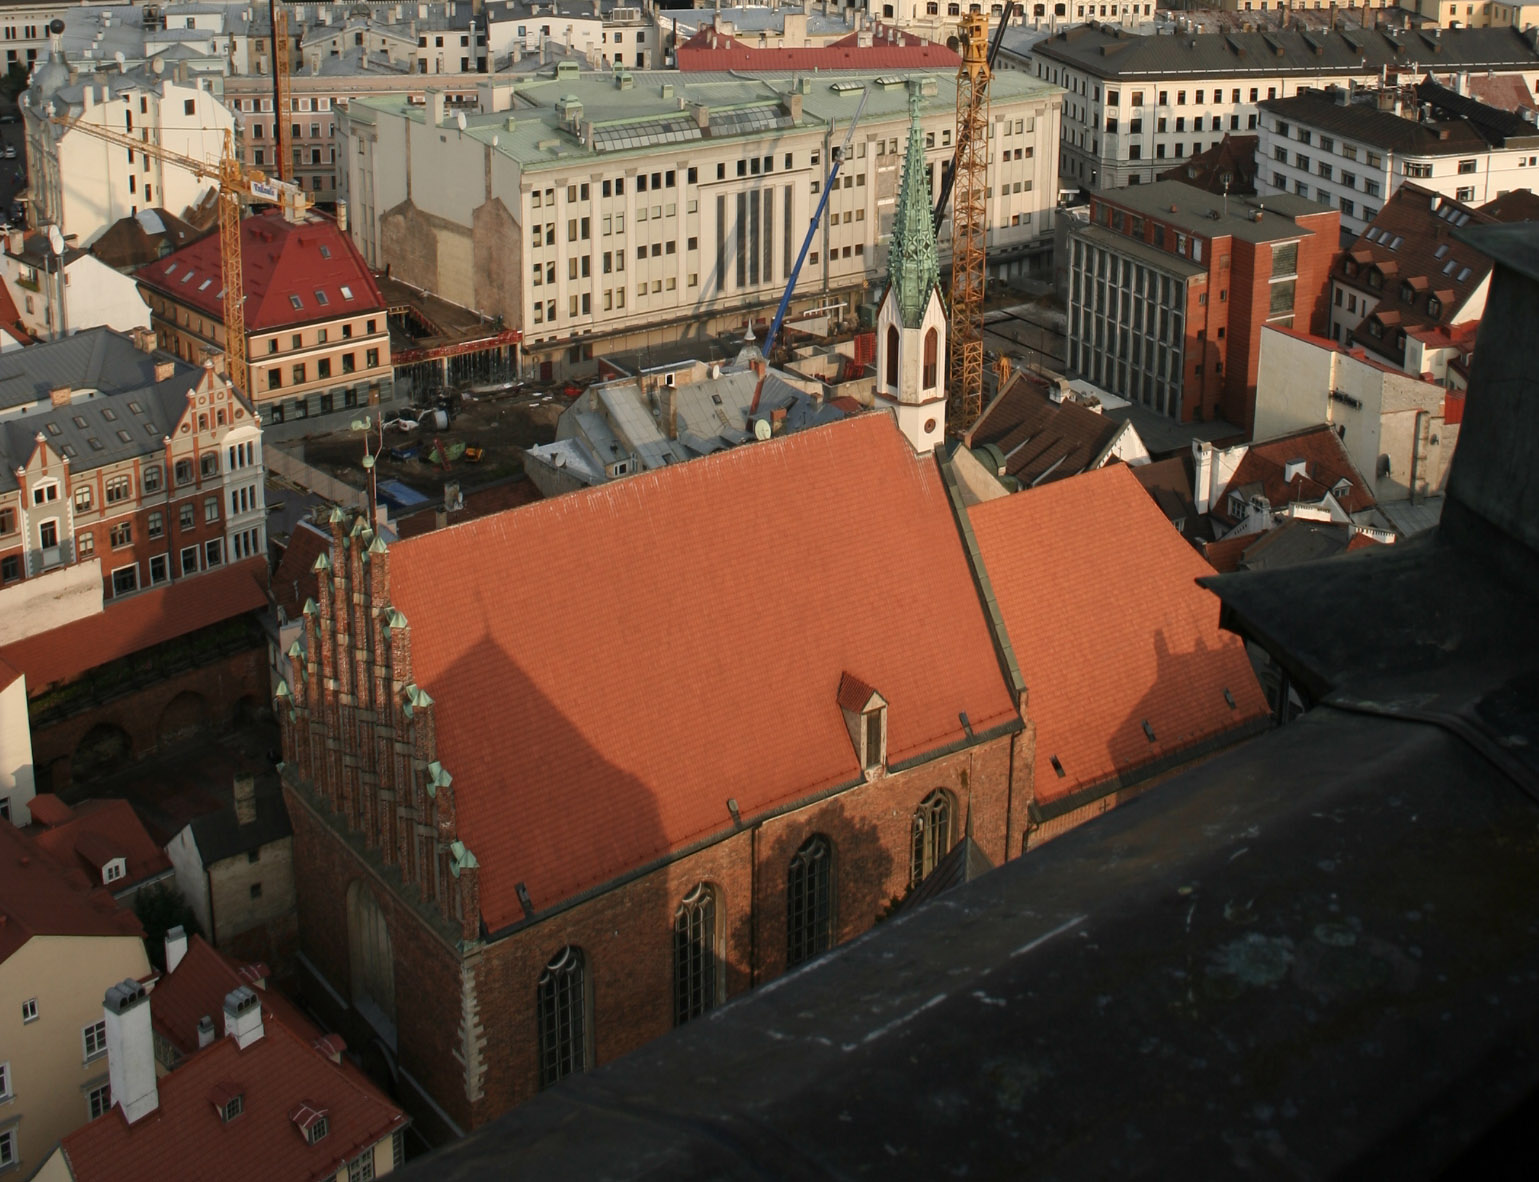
(502, 423)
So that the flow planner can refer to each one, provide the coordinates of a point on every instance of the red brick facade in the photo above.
(370, 805)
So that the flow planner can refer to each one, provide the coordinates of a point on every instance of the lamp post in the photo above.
(364, 425)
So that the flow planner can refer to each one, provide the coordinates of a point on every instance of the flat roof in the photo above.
(1214, 216)
(1163, 260)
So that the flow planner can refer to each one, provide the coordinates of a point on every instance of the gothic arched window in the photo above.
(696, 966)
(892, 355)
(562, 1007)
(809, 901)
(931, 351)
(931, 835)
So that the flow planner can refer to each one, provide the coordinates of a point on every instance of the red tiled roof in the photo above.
(1326, 463)
(1224, 555)
(93, 833)
(1229, 166)
(1361, 541)
(198, 985)
(10, 316)
(891, 49)
(688, 647)
(136, 623)
(8, 674)
(40, 897)
(185, 1136)
(281, 261)
(1096, 670)
(1042, 440)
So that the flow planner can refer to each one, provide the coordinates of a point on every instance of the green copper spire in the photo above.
(912, 266)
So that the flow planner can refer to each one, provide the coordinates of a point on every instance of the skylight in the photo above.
(1464, 274)
(125, 436)
(135, 408)
(204, 286)
(325, 251)
(347, 292)
(1448, 267)
(296, 301)
(1440, 251)
(1373, 234)
(320, 298)
(187, 276)
(1395, 245)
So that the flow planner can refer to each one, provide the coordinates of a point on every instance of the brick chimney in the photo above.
(59, 395)
(176, 947)
(205, 1031)
(245, 798)
(130, 1050)
(242, 1016)
(164, 369)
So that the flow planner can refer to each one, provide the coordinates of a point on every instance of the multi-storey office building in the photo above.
(1353, 153)
(1169, 288)
(1136, 104)
(128, 457)
(633, 209)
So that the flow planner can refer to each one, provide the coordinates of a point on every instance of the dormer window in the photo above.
(1434, 306)
(310, 1120)
(865, 718)
(228, 1100)
(1407, 294)
(114, 870)
(1236, 505)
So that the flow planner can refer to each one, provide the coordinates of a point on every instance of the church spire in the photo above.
(912, 266)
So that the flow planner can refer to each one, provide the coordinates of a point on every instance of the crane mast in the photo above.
(236, 181)
(282, 66)
(969, 225)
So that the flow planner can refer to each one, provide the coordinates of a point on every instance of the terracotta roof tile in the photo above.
(185, 1137)
(696, 626)
(294, 577)
(1097, 668)
(281, 261)
(197, 987)
(94, 832)
(1042, 440)
(40, 897)
(1326, 464)
(891, 49)
(130, 625)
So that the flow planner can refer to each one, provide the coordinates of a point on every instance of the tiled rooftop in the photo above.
(41, 897)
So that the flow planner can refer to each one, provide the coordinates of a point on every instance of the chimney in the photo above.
(1294, 469)
(440, 518)
(59, 396)
(1202, 465)
(205, 1031)
(342, 215)
(144, 340)
(245, 798)
(436, 108)
(176, 947)
(130, 1050)
(242, 1016)
(164, 370)
(671, 412)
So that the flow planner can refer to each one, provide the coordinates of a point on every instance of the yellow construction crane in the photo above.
(282, 67)
(236, 182)
(969, 223)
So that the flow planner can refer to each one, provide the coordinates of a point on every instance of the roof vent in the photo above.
(1295, 468)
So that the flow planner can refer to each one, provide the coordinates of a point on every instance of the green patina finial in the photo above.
(913, 267)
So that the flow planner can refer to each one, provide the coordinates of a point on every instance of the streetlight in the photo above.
(366, 424)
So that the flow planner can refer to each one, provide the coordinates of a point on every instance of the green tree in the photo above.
(160, 908)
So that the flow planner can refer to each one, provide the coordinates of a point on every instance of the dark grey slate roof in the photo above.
(1105, 53)
(220, 836)
(116, 396)
(1457, 131)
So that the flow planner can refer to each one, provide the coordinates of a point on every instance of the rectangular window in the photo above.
(28, 1012)
(125, 579)
(210, 508)
(190, 560)
(1466, 166)
(5, 1081)
(160, 568)
(150, 478)
(8, 1151)
(94, 1039)
(186, 516)
(99, 1101)
(119, 489)
(122, 534)
(213, 552)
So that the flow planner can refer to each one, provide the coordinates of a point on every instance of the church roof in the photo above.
(914, 267)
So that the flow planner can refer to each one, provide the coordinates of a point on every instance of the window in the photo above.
(121, 534)
(361, 1168)
(160, 569)
(8, 1150)
(562, 1003)
(318, 1129)
(1285, 259)
(931, 368)
(7, 521)
(119, 489)
(124, 581)
(44, 493)
(99, 1101)
(213, 552)
(10, 568)
(1467, 193)
(232, 1107)
(29, 1010)
(1466, 167)
(809, 903)
(931, 836)
(696, 968)
(150, 478)
(5, 1081)
(183, 469)
(1419, 171)
(94, 1037)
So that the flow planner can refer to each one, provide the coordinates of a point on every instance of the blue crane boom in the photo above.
(817, 216)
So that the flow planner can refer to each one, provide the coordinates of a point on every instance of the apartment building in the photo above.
(317, 342)
(632, 209)
(613, 34)
(62, 942)
(1137, 104)
(84, 184)
(1353, 151)
(126, 459)
(1474, 14)
(1169, 287)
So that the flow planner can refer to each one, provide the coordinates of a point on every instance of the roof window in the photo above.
(187, 276)
(79, 422)
(325, 251)
(1464, 274)
(125, 436)
(204, 286)
(1440, 251)
(320, 298)
(228, 1101)
(347, 292)
(55, 429)
(310, 1120)
(1058, 767)
(109, 414)
(135, 408)
(96, 444)
(296, 301)
(1449, 266)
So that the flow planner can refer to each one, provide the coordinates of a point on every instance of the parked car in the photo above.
(409, 452)
(10, 151)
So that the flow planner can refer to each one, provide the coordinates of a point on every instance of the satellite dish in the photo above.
(761, 429)
(55, 240)
(496, 140)
(56, 26)
(459, 118)
(121, 60)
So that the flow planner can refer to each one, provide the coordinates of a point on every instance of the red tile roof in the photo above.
(10, 316)
(1361, 541)
(94, 832)
(198, 986)
(127, 626)
(891, 49)
(1042, 440)
(1326, 464)
(696, 626)
(281, 261)
(185, 1137)
(1097, 668)
(1224, 555)
(1229, 166)
(294, 577)
(40, 897)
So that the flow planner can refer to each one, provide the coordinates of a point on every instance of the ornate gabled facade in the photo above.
(911, 324)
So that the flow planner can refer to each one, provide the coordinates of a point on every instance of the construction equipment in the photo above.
(817, 216)
(969, 225)
(949, 172)
(282, 67)
(236, 182)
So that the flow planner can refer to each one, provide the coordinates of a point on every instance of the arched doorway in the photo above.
(102, 748)
(370, 960)
(185, 717)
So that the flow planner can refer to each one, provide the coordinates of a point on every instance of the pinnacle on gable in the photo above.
(377, 546)
(463, 858)
(394, 617)
(322, 563)
(310, 608)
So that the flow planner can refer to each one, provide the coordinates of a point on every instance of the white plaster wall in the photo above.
(190, 877)
(50, 600)
(17, 785)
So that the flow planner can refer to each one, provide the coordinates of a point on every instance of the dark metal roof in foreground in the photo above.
(1316, 954)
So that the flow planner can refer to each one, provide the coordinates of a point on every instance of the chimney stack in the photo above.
(205, 1031)
(245, 798)
(176, 947)
(130, 1050)
(242, 1016)
(342, 215)
(59, 396)
(164, 370)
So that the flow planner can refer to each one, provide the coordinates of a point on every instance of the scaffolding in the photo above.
(969, 223)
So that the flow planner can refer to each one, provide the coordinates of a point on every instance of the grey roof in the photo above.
(1294, 542)
(1109, 54)
(219, 835)
(1131, 247)
(1365, 123)
(754, 19)
(116, 394)
(1199, 212)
